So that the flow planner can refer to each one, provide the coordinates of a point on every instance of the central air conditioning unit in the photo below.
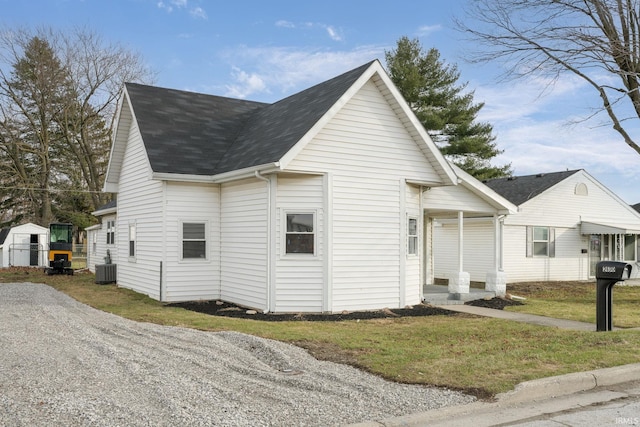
(105, 273)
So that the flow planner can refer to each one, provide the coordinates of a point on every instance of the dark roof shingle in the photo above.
(198, 134)
(519, 189)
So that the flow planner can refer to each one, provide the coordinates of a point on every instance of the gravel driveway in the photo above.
(65, 363)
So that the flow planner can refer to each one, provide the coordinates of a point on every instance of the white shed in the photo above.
(24, 246)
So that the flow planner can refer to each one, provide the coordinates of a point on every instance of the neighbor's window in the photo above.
(540, 242)
(194, 242)
(132, 240)
(94, 242)
(412, 236)
(629, 247)
(111, 232)
(300, 236)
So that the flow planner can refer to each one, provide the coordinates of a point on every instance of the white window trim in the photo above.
(551, 241)
(416, 236)
(111, 230)
(283, 239)
(206, 241)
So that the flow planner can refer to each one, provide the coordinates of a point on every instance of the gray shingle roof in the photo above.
(186, 132)
(519, 189)
(191, 133)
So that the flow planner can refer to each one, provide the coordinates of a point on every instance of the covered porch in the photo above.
(470, 200)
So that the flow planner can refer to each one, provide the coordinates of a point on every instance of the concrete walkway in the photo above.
(522, 317)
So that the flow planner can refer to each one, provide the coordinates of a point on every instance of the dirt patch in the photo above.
(220, 308)
(495, 303)
(225, 309)
(526, 289)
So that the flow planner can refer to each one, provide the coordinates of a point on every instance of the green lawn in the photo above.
(576, 301)
(479, 355)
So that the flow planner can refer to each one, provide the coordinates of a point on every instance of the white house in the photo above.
(315, 203)
(102, 237)
(24, 245)
(566, 223)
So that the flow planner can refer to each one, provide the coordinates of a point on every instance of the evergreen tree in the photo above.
(430, 87)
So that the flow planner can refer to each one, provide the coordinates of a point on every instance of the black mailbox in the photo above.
(608, 273)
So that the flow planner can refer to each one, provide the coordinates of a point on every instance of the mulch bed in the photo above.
(220, 308)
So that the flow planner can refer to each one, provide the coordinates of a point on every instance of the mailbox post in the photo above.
(608, 273)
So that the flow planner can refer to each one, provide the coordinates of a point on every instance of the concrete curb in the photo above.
(545, 388)
(526, 392)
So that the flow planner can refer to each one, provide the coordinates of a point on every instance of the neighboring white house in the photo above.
(102, 236)
(315, 203)
(24, 245)
(566, 223)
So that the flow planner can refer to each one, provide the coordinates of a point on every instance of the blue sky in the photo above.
(266, 50)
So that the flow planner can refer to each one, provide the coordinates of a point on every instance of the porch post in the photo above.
(459, 281)
(496, 280)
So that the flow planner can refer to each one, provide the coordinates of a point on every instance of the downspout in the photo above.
(268, 252)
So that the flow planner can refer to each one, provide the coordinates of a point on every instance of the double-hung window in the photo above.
(300, 237)
(540, 242)
(194, 240)
(111, 232)
(412, 236)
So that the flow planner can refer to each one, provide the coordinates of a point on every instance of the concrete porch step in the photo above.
(439, 295)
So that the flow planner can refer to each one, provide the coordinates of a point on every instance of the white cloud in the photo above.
(425, 30)
(165, 6)
(245, 85)
(171, 5)
(286, 70)
(334, 33)
(285, 24)
(198, 12)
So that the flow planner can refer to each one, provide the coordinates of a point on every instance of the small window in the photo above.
(581, 189)
(94, 242)
(194, 242)
(111, 232)
(300, 236)
(132, 240)
(412, 236)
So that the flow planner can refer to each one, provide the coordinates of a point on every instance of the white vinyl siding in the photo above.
(192, 279)
(369, 153)
(413, 260)
(140, 202)
(478, 248)
(244, 213)
(300, 278)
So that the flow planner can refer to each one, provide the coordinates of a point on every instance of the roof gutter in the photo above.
(219, 178)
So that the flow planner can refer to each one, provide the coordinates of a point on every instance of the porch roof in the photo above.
(588, 227)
